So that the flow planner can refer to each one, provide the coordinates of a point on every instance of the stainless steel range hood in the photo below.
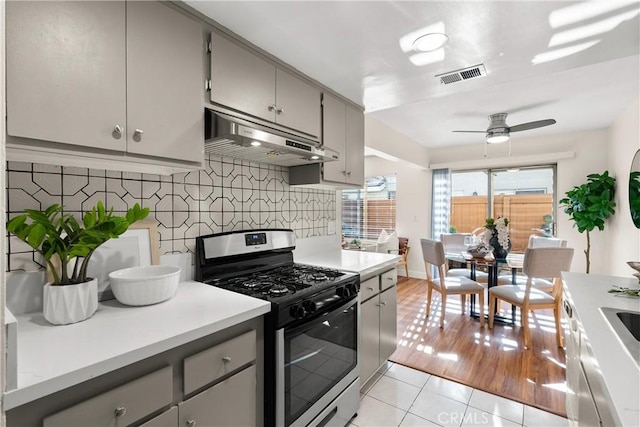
(229, 136)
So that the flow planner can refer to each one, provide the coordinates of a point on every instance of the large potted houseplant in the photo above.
(66, 246)
(590, 205)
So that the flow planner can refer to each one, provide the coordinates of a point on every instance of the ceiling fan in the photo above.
(498, 130)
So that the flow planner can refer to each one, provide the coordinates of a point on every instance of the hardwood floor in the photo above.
(491, 360)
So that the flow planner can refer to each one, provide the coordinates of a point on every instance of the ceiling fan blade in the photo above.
(470, 131)
(532, 125)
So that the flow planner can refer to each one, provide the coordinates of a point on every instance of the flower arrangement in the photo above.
(498, 232)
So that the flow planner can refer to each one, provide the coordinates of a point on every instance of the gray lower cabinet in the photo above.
(231, 402)
(378, 322)
(247, 83)
(212, 381)
(105, 77)
(166, 419)
(120, 406)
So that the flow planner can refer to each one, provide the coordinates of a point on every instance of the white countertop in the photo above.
(587, 293)
(361, 262)
(51, 358)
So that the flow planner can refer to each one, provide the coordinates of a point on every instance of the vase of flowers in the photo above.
(67, 245)
(497, 235)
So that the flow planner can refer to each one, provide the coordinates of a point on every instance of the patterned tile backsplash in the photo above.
(227, 195)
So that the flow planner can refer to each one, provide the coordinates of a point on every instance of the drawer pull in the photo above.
(389, 278)
(226, 359)
(120, 412)
(191, 423)
(370, 288)
(117, 132)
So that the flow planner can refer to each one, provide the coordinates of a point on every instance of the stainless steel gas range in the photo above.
(311, 334)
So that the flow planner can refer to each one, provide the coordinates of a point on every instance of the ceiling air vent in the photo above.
(462, 74)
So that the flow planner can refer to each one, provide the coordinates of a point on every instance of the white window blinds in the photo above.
(366, 212)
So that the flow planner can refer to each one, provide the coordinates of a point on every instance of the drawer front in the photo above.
(369, 288)
(166, 419)
(209, 365)
(120, 406)
(388, 279)
(229, 403)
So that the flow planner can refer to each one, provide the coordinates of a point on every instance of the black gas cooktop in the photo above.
(280, 284)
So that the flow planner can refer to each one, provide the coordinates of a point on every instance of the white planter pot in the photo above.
(62, 305)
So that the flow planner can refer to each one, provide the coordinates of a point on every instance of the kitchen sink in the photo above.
(626, 325)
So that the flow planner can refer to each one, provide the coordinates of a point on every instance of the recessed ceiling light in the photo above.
(255, 143)
(430, 42)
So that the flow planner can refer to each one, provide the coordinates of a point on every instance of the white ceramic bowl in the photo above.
(145, 285)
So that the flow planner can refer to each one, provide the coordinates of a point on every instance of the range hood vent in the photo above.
(230, 136)
(462, 74)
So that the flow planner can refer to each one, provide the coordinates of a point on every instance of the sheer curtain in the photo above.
(441, 202)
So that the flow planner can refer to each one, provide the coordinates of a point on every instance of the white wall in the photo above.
(590, 155)
(413, 180)
(624, 238)
(380, 137)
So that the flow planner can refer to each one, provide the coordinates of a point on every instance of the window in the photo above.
(525, 196)
(366, 212)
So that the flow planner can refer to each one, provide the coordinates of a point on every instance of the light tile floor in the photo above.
(404, 397)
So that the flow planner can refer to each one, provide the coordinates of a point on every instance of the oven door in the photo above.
(316, 361)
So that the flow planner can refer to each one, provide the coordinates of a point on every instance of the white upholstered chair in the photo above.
(433, 255)
(542, 283)
(538, 262)
(454, 243)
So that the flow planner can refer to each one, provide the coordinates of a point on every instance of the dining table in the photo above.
(512, 262)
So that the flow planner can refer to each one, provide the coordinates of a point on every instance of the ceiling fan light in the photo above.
(497, 137)
(430, 42)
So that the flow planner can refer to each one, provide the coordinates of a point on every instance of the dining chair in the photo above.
(434, 259)
(454, 243)
(544, 284)
(538, 262)
(403, 251)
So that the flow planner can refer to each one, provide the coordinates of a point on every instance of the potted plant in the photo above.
(67, 246)
(590, 205)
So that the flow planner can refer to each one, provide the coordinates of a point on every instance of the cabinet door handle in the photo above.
(120, 412)
(348, 173)
(271, 107)
(389, 278)
(226, 359)
(344, 172)
(191, 423)
(371, 288)
(137, 135)
(280, 111)
(117, 132)
(383, 303)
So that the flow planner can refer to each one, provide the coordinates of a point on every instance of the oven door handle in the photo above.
(318, 318)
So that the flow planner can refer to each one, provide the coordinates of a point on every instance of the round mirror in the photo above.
(634, 190)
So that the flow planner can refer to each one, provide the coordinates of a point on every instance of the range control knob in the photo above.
(310, 306)
(343, 292)
(353, 288)
(298, 312)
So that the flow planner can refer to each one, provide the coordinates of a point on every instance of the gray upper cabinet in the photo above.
(66, 73)
(334, 136)
(164, 83)
(241, 80)
(245, 82)
(106, 75)
(343, 131)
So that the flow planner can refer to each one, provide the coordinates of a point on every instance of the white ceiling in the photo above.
(354, 48)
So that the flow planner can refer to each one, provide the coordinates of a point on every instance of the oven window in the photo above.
(317, 356)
